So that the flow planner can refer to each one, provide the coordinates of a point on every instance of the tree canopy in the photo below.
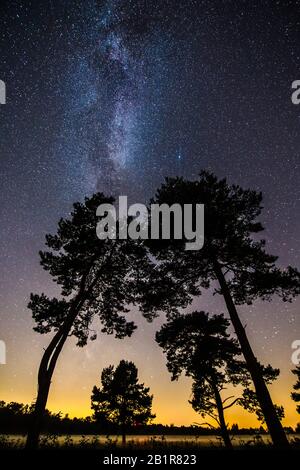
(121, 399)
(100, 276)
(231, 237)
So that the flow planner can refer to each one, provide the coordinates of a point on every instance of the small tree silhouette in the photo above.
(201, 347)
(296, 395)
(121, 399)
(230, 257)
(97, 278)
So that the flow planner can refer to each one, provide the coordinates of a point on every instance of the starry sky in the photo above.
(115, 95)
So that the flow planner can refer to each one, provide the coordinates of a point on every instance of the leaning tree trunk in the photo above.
(223, 427)
(48, 364)
(272, 421)
(38, 413)
(46, 370)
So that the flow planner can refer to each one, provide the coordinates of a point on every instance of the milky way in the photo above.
(105, 96)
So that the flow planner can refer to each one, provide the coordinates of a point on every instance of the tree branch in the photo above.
(231, 404)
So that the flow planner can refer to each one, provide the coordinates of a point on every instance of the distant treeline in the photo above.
(15, 418)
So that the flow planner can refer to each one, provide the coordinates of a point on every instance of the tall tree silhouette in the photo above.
(97, 278)
(121, 399)
(231, 257)
(296, 394)
(200, 346)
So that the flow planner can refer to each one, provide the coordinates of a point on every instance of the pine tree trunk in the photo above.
(272, 421)
(49, 360)
(123, 435)
(46, 370)
(223, 427)
(38, 414)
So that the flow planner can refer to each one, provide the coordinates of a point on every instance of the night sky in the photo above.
(114, 96)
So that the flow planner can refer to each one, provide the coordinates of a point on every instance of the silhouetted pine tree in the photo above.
(97, 278)
(121, 399)
(231, 257)
(200, 346)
